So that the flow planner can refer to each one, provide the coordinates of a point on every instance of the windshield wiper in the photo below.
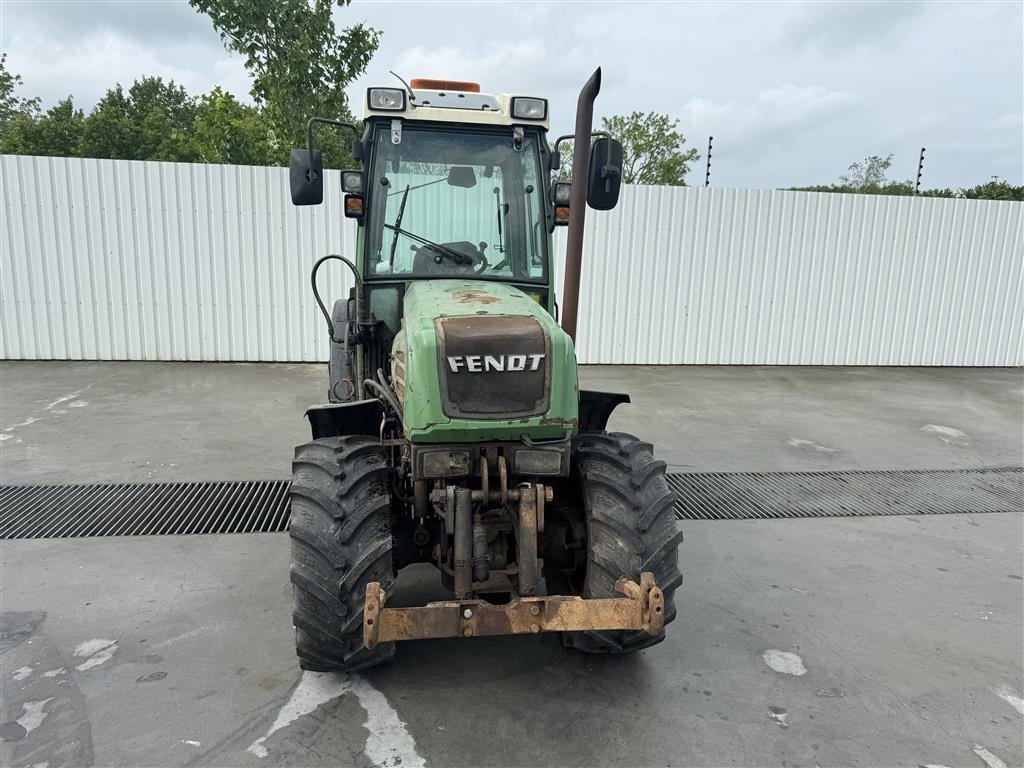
(398, 225)
(444, 250)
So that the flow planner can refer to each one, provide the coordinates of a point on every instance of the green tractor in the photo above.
(456, 433)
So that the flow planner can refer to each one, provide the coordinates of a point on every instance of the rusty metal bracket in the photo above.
(641, 608)
(503, 479)
(526, 535)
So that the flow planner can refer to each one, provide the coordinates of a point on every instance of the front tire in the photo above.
(340, 530)
(629, 525)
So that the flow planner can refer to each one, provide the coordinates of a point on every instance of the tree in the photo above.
(151, 121)
(869, 178)
(108, 132)
(161, 116)
(11, 105)
(564, 172)
(226, 131)
(55, 132)
(996, 189)
(59, 130)
(869, 173)
(652, 149)
(299, 63)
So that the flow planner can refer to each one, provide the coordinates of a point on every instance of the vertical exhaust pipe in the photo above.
(578, 203)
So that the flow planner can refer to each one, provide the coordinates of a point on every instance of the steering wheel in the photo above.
(461, 256)
(480, 264)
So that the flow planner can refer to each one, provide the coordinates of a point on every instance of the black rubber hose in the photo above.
(320, 302)
(387, 396)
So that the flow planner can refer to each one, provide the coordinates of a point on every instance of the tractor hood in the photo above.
(478, 361)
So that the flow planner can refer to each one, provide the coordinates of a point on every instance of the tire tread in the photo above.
(340, 529)
(625, 496)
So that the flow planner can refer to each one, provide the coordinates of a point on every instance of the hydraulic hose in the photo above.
(387, 396)
(320, 302)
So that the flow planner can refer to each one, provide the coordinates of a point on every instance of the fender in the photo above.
(361, 417)
(596, 407)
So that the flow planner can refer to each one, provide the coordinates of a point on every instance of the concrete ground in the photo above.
(178, 651)
(131, 422)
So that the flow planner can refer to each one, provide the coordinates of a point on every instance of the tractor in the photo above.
(455, 431)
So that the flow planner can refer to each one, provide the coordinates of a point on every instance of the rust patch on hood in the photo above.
(474, 296)
(561, 421)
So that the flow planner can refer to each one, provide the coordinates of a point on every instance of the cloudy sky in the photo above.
(792, 92)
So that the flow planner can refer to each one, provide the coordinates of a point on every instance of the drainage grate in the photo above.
(144, 509)
(750, 495)
(148, 509)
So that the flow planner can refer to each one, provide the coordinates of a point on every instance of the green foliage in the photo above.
(992, 190)
(163, 115)
(56, 132)
(652, 149)
(886, 188)
(299, 63)
(869, 178)
(151, 120)
(226, 131)
(12, 106)
(564, 172)
(108, 132)
(997, 189)
(869, 174)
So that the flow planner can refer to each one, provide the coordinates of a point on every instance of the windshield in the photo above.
(453, 203)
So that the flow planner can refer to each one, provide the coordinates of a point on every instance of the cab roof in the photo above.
(453, 105)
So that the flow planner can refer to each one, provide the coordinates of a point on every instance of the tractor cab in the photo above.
(454, 183)
(457, 199)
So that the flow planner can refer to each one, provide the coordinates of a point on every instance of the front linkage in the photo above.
(642, 608)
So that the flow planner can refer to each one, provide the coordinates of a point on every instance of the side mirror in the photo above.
(306, 176)
(605, 175)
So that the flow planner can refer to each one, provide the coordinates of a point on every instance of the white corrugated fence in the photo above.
(123, 260)
(735, 276)
(164, 261)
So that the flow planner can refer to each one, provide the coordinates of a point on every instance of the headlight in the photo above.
(444, 463)
(352, 182)
(529, 108)
(386, 99)
(560, 192)
(536, 461)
